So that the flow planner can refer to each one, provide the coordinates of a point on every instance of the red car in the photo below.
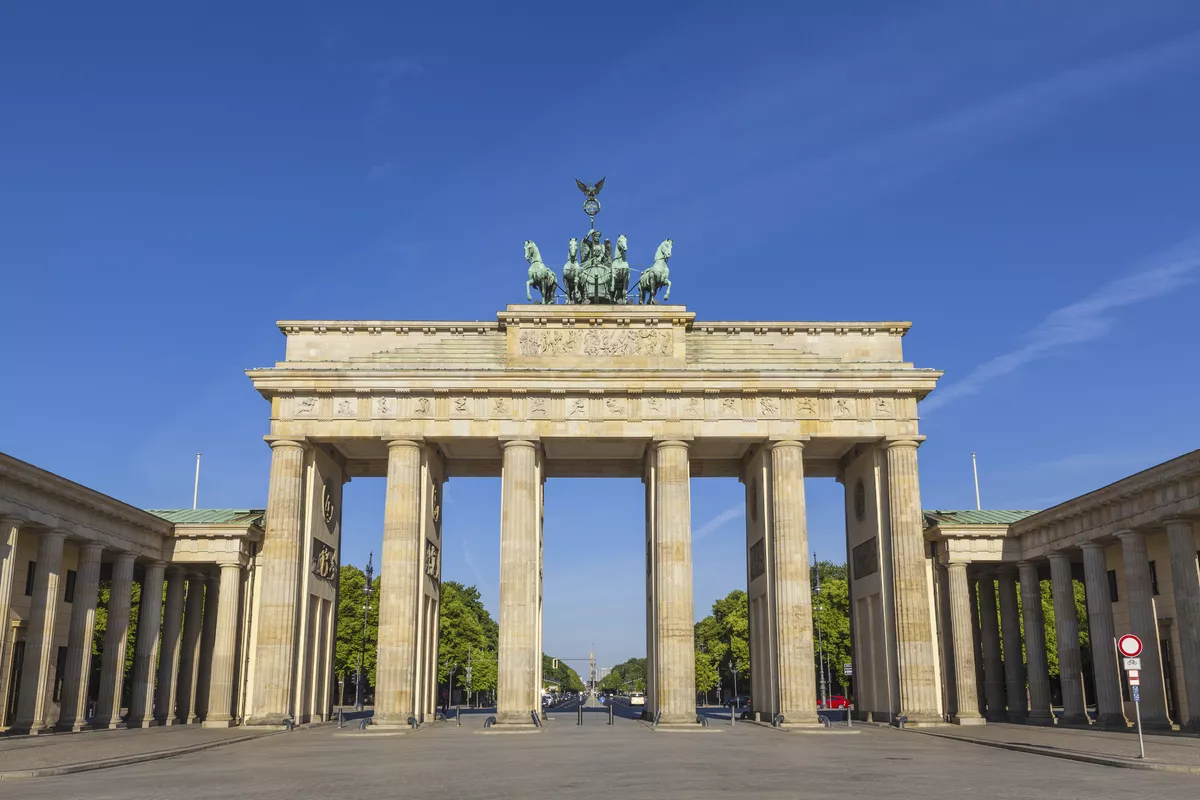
(837, 701)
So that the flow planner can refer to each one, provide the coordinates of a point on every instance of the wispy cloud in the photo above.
(470, 562)
(1083, 321)
(717, 522)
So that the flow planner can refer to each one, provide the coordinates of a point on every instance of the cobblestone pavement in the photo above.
(626, 760)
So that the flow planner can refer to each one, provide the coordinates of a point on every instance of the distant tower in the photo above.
(592, 668)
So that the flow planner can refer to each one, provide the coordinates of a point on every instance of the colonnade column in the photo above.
(1066, 629)
(1140, 597)
(9, 531)
(220, 690)
(910, 585)
(400, 587)
(520, 662)
(168, 658)
(146, 651)
(116, 637)
(1110, 711)
(189, 650)
(208, 637)
(993, 665)
(793, 593)
(676, 667)
(961, 631)
(1010, 630)
(39, 640)
(72, 716)
(1035, 645)
(277, 612)
(1185, 582)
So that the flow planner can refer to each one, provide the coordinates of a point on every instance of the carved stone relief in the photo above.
(807, 407)
(461, 406)
(768, 407)
(616, 407)
(577, 407)
(693, 408)
(539, 407)
(604, 342)
(500, 407)
(729, 407)
(306, 406)
(346, 407)
(422, 407)
(883, 407)
(385, 406)
(843, 407)
(432, 565)
(655, 406)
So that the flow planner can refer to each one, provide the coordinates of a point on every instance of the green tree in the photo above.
(103, 598)
(565, 677)
(352, 583)
(831, 608)
(707, 675)
(467, 634)
(723, 638)
(628, 676)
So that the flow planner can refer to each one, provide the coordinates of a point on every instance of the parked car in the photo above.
(837, 701)
(741, 701)
(637, 699)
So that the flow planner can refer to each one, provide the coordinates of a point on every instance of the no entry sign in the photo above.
(1130, 646)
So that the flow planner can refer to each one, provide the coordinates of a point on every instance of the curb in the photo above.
(121, 761)
(1107, 761)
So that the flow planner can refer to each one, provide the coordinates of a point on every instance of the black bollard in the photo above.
(579, 714)
(610, 711)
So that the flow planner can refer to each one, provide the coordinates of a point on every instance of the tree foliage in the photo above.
(831, 609)
(352, 598)
(628, 676)
(467, 633)
(723, 640)
(103, 599)
(568, 680)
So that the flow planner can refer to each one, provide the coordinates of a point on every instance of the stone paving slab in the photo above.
(63, 753)
(1172, 753)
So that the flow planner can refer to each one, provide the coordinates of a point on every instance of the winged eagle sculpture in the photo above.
(590, 189)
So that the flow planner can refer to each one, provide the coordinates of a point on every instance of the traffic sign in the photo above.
(1136, 697)
(1129, 645)
(1134, 680)
(1134, 674)
(847, 669)
(1132, 663)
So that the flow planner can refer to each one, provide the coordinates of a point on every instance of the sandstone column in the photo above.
(33, 702)
(1014, 664)
(520, 662)
(993, 664)
(1035, 645)
(1110, 711)
(961, 610)
(146, 652)
(168, 660)
(72, 717)
(220, 691)
(914, 625)
(399, 586)
(116, 636)
(1066, 628)
(9, 532)
(189, 650)
(676, 694)
(793, 593)
(1185, 582)
(208, 637)
(1140, 598)
(278, 610)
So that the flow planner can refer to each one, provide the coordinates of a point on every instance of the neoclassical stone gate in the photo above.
(553, 390)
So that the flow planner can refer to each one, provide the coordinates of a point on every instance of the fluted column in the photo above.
(9, 532)
(910, 585)
(116, 637)
(793, 593)
(1066, 630)
(189, 650)
(208, 637)
(168, 660)
(39, 639)
(520, 662)
(278, 595)
(993, 664)
(146, 650)
(1185, 583)
(1014, 664)
(220, 689)
(400, 586)
(1139, 597)
(676, 695)
(967, 712)
(1110, 711)
(72, 716)
(1035, 645)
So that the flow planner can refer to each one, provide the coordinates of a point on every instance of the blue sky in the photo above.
(1020, 180)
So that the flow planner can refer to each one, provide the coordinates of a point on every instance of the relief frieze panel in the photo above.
(607, 342)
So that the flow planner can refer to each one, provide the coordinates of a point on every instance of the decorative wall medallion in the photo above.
(437, 502)
(758, 558)
(432, 567)
(422, 407)
(306, 406)
(768, 407)
(615, 407)
(538, 407)
(462, 405)
(694, 408)
(578, 407)
(324, 561)
(806, 407)
(729, 407)
(860, 500)
(385, 406)
(328, 507)
(882, 406)
(346, 407)
(843, 407)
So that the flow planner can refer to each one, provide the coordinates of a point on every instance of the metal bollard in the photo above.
(610, 713)
(579, 714)
(458, 716)
(732, 709)
(341, 718)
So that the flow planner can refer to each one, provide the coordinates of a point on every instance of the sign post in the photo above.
(848, 671)
(1130, 647)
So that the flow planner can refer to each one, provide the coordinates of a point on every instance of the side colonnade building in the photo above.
(59, 541)
(1134, 545)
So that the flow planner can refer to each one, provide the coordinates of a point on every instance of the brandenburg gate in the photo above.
(595, 389)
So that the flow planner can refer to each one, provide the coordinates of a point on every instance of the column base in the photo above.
(967, 720)
(162, 723)
(219, 723)
(1112, 722)
(1075, 720)
(917, 718)
(73, 727)
(133, 722)
(1016, 717)
(1038, 719)
(267, 721)
(16, 731)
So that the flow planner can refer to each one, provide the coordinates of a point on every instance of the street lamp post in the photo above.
(734, 669)
(360, 693)
(820, 637)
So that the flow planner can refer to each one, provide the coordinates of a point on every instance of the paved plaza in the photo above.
(626, 760)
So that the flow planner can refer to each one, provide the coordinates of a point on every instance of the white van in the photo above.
(637, 699)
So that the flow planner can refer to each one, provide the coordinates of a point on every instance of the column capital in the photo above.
(518, 441)
(53, 533)
(1092, 546)
(123, 557)
(903, 441)
(1128, 535)
(174, 571)
(790, 441)
(661, 444)
(417, 442)
(10, 519)
(91, 547)
(282, 441)
(1058, 555)
(156, 563)
(958, 562)
(1007, 571)
(1169, 521)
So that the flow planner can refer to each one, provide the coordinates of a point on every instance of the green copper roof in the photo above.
(973, 517)
(211, 516)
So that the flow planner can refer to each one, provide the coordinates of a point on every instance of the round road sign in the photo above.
(1130, 646)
